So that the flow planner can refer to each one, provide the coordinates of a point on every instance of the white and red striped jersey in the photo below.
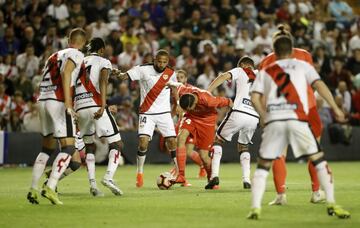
(243, 79)
(51, 85)
(5, 105)
(284, 85)
(87, 87)
(155, 95)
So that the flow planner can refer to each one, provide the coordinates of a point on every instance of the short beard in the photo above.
(157, 69)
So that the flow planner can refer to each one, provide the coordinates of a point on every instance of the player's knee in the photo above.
(243, 148)
(264, 164)
(317, 158)
(90, 148)
(171, 143)
(74, 165)
(47, 151)
(115, 146)
(88, 139)
(68, 149)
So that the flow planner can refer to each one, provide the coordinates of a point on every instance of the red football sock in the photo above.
(181, 159)
(195, 157)
(279, 173)
(315, 184)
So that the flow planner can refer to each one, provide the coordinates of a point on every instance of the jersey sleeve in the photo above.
(107, 65)
(211, 101)
(258, 85)
(311, 74)
(75, 56)
(234, 74)
(135, 73)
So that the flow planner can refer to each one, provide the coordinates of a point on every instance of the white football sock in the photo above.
(38, 169)
(60, 164)
(215, 162)
(258, 187)
(245, 166)
(326, 180)
(113, 163)
(90, 164)
(140, 160)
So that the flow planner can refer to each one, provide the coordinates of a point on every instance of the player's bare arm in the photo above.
(66, 83)
(256, 99)
(104, 75)
(219, 80)
(325, 93)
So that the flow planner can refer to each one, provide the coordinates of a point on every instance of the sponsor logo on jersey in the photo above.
(49, 88)
(246, 101)
(281, 106)
(83, 96)
(165, 76)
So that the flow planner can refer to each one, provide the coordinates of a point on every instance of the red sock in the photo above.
(181, 159)
(315, 184)
(279, 173)
(195, 157)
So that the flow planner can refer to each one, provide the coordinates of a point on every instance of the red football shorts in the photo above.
(203, 133)
(315, 122)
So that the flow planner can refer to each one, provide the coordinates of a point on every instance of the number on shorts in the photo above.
(143, 119)
(281, 88)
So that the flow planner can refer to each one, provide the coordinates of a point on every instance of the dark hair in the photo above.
(76, 32)
(281, 32)
(186, 101)
(95, 44)
(162, 52)
(246, 60)
(283, 45)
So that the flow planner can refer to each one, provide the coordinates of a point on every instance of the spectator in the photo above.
(99, 28)
(19, 105)
(321, 58)
(5, 107)
(213, 24)
(97, 10)
(8, 69)
(207, 9)
(115, 11)
(8, 85)
(35, 7)
(342, 12)
(232, 26)
(193, 30)
(282, 14)
(39, 28)
(128, 58)
(135, 8)
(172, 21)
(204, 80)
(244, 40)
(266, 11)
(28, 62)
(185, 60)
(207, 55)
(157, 14)
(24, 85)
(300, 5)
(170, 40)
(59, 13)
(9, 43)
(31, 121)
(129, 37)
(29, 38)
(226, 9)
(126, 119)
(247, 5)
(339, 74)
(3, 25)
(248, 23)
(343, 92)
(354, 42)
(76, 11)
(353, 63)
(324, 112)
(113, 40)
(51, 38)
(264, 39)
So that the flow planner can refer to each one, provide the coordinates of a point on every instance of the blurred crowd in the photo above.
(204, 37)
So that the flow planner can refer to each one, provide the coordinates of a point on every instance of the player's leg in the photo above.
(145, 132)
(181, 154)
(170, 143)
(274, 138)
(194, 156)
(279, 177)
(48, 146)
(244, 154)
(304, 143)
(215, 164)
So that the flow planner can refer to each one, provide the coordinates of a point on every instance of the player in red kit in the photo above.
(279, 167)
(199, 121)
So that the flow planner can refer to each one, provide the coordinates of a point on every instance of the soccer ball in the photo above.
(165, 180)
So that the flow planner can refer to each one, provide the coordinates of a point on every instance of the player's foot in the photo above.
(51, 195)
(254, 214)
(279, 200)
(173, 172)
(336, 210)
(96, 192)
(247, 185)
(180, 179)
(213, 183)
(318, 197)
(139, 180)
(202, 172)
(33, 196)
(186, 184)
(112, 186)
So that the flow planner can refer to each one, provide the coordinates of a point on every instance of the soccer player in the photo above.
(57, 114)
(279, 167)
(284, 113)
(242, 118)
(198, 122)
(94, 116)
(154, 106)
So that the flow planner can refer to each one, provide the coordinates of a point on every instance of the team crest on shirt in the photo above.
(165, 76)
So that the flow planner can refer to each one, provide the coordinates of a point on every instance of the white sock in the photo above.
(38, 169)
(215, 162)
(60, 164)
(112, 164)
(326, 180)
(90, 164)
(258, 187)
(140, 160)
(245, 166)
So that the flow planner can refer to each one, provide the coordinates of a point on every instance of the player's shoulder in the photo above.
(267, 60)
(147, 65)
(73, 51)
(300, 51)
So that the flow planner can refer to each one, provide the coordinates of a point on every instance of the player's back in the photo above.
(285, 85)
(243, 78)
(51, 85)
(297, 53)
(87, 88)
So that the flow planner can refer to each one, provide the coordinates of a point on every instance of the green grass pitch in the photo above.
(178, 207)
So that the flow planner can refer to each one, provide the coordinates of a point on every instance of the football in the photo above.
(165, 180)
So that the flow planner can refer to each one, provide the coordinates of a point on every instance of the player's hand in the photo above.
(340, 116)
(179, 110)
(231, 103)
(73, 114)
(99, 113)
(113, 109)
